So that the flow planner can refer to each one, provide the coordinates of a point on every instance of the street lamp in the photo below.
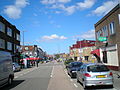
(23, 37)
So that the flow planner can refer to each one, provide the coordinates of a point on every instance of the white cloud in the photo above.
(87, 35)
(86, 4)
(69, 9)
(105, 8)
(54, 1)
(53, 37)
(14, 11)
(21, 3)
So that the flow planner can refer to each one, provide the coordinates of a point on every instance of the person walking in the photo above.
(37, 62)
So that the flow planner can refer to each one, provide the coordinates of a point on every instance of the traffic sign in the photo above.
(102, 39)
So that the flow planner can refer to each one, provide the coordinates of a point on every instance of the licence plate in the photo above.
(101, 76)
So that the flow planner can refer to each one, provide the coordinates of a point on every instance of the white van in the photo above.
(6, 68)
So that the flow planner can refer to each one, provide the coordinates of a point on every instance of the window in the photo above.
(2, 27)
(14, 48)
(9, 45)
(18, 37)
(9, 31)
(2, 43)
(105, 31)
(112, 28)
(99, 33)
(97, 68)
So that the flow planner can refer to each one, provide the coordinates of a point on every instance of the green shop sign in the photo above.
(102, 39)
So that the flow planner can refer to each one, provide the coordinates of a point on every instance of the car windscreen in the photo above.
(97, 68)
(76, 64)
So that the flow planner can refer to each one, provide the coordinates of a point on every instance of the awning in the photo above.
(97, 52)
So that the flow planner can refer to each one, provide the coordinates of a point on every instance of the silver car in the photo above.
(94, 74)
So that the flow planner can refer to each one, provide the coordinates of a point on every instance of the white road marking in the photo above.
(71, 80)
(25, 73)
(21, 74)
(75, 85)
(52, 72)
(16, 76)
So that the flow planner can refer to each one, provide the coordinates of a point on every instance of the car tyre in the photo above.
(77, 80)
(111, 86)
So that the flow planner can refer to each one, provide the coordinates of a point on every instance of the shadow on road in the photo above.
(13, 85)
(99, 87)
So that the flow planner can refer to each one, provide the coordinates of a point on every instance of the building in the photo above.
(32, 51)
(82, 50)
(9, 38)
(109, 28)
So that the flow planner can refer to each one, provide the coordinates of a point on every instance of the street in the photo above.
(49, 76)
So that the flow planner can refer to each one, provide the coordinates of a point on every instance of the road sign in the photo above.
(102, 39)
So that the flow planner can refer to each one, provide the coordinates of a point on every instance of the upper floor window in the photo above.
(18, 37)
(9, 45)
(2, 27)
(112, 28)
(99, 33)
(2, 43)
(9, 31)
(105, 31)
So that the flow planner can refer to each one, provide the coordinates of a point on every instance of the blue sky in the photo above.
(54, 25)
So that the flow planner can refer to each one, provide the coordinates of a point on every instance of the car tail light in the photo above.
(87, 75)
(111, 74)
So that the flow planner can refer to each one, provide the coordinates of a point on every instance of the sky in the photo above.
(54, 25)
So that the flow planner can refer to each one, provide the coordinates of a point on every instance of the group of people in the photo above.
(24, 63)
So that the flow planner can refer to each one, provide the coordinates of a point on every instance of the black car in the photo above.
(73, 67)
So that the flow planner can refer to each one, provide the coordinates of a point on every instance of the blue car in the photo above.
(73, 67)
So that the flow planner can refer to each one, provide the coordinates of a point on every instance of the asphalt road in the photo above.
(50, 76)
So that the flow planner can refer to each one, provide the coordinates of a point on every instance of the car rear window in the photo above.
(77, 64)
(97, 68)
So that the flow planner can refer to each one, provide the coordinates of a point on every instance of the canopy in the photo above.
(32, 58)
(97, 52)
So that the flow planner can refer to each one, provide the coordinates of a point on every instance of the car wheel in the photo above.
(111, 86)
(77, 80)
(71, 75)
(10, 81)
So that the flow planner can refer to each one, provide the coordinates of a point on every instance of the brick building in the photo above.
(9, 38)
(109, 27)
(32, 51)
(82, 49)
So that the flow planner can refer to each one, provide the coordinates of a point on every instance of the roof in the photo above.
(107, 15)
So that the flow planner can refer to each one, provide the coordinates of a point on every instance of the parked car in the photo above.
(73, 67)
(6, 71)
(16, 67)
(94, 74)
